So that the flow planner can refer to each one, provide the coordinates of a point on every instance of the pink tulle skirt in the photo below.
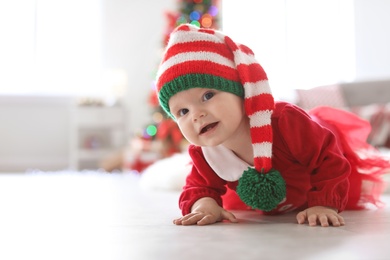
(367, 163)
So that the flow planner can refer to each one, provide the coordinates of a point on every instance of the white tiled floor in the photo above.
(107, 216)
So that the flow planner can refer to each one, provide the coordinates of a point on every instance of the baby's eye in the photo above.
(182, 112)
(208, 95)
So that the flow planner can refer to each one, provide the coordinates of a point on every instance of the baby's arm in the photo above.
(323, 216)
(205, 211)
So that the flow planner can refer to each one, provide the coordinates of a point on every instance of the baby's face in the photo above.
(207, 117)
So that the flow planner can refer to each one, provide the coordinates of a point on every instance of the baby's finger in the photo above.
(177, 221)
(229, 216)
(301, 217)
(185, 218)
(336, 220)
(207, 219)
(312, 219)
(192, 219)
(341, 219)
(324, 221)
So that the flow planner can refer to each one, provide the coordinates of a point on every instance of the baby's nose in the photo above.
(199, 113)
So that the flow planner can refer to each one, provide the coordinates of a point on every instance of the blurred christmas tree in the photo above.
(202, 13)
(162, 138)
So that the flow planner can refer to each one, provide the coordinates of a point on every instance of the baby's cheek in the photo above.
(187, 133)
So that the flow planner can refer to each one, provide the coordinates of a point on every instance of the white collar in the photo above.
(224, 162)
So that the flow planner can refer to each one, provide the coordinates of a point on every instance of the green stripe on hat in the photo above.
(189, 81)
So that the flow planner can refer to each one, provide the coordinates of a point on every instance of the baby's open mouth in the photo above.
(208, 127)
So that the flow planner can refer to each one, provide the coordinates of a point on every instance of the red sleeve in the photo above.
(315, 147)
(201, 182)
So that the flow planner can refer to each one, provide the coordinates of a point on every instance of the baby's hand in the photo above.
(200, 218)
(323, 216)
(205, 211)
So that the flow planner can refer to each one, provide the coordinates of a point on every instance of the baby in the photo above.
(249, 152)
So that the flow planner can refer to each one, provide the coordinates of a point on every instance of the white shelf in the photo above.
(93, 154)
(97, 133)
(91, 117)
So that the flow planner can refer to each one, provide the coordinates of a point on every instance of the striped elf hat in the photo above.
(206, 58)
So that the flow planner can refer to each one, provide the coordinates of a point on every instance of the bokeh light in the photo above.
(195, 16)
(182, 19)
(157, 117)
(196, 23)
(206, 20)
(213, 10)
(200, 8)
(151, 130)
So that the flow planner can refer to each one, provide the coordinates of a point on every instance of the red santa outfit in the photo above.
(300, 159)
(309, 152)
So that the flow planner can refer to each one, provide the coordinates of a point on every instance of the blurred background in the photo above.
(77, 76)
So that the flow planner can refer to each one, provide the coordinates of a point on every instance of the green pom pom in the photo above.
(262, 191)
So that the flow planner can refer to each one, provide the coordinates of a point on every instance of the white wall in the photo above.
(132, 39)
(35, 132)
(372, 27)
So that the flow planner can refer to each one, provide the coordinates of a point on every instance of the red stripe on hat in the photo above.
(182, 27)
(232, 45)
(219, 48)
(197, 67)
(251, 73)
(204, 30)
(265, 162)
(259, 103)
(261, 134)
(246, 49)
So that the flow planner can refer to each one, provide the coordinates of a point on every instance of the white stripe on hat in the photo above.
(241, 57)
(190, 36)
(263, 149)
(260, 118)
(195, 56)
(253, 89)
